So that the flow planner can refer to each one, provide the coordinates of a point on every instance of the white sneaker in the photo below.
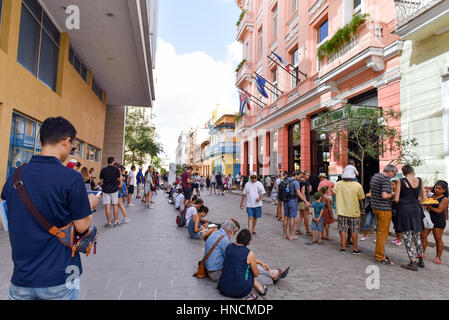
(131, 205)
(398, 243)
(126, 220)
(363, 238)
(151, 207)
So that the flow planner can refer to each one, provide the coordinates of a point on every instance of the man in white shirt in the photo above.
(253, 192)
(131, 183)
(213, 183)
(268, 184)
(192, 211)
(350, 172)
(179, 202)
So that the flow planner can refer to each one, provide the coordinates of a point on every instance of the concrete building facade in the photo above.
(50, 66)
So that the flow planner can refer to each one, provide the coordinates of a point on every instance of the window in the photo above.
(78, 64)
(24, 141)
(79, 149)
(275, 22)
(323, 31)
(295, 64)
(357, 3)
(38, 43)
(294, 6)
(93, 153)
(98, 92)
(260, 42)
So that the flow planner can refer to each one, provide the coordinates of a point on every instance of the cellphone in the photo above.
(99, 193)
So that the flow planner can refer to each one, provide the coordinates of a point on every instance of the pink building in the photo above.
(282, 135)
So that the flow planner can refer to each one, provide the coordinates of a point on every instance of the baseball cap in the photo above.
(72, 163)
(253, 173)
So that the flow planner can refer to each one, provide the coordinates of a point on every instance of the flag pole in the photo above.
(282, 92)
(280, 65)
(257, 102)
(251, 96)
(305, 75)
(268, 87)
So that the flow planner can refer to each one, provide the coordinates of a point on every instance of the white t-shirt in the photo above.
(268, 181)
(133, 178)
(213, 179)
(179, 201)
(252, 191)
(237, 178)
(191, 211)
(349, 172)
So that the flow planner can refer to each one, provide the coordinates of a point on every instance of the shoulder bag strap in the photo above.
(210, 251)
(20, 188)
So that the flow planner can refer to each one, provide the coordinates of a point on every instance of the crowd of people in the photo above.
(233, 266)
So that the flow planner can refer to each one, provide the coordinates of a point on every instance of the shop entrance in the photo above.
(294, 147)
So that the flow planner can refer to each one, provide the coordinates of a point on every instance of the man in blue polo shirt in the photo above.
(43, 267)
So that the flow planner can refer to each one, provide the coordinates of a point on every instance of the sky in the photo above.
(196, 57)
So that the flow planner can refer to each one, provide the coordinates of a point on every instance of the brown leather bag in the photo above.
(202, 272)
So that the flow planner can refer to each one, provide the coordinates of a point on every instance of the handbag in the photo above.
(67, 235)
(202, 272)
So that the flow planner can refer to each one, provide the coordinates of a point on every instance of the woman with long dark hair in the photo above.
(438, 215)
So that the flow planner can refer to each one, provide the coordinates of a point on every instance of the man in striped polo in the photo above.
(381, 201)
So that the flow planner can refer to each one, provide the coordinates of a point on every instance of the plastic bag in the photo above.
(428, 224)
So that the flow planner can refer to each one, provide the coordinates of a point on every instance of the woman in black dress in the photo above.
(438, 216)
(409, 194)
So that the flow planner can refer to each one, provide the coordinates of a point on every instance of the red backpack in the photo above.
(181, 218)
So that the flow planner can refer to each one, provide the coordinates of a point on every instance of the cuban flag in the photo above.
(247, 94)
(260, 84)
(287, 65)
(243, 103)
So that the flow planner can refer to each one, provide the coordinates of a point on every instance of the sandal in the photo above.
(386, 261)
(309, 234)
(108, 225)
(298, 232)
(251, 296)
(437, 261)
(285, 273)
(265, 289)
(278, 277)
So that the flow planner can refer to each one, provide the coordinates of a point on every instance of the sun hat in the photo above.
(323, 175)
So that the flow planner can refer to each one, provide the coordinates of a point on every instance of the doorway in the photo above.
(294, 147)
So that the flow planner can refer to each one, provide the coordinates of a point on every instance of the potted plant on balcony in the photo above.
(240, 65)
(237, 117)
(241, 17)
(341, 37)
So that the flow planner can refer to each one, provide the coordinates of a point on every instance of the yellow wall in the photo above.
(22, 92)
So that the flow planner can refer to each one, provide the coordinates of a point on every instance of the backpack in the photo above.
(286, 191)
(181, 218)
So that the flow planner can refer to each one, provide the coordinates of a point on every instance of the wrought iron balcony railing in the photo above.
(407, 10)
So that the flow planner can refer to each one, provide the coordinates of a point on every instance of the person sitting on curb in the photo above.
(199, 228)
(242, 271)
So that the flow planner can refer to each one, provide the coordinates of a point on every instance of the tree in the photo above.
(140, 139)
(371, 131)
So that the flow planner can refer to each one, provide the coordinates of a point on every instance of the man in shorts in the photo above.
(213, 183)
(131, 183)
(109, 181)
(348, 194)
(291, 206)
(254, 192)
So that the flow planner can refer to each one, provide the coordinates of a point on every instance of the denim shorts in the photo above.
(317, 226)
(254, 212)
(291, 208)
(61, 292)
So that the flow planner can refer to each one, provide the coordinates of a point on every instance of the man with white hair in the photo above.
(254, 192)
(214, 264)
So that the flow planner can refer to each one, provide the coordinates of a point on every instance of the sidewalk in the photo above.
(430, 241)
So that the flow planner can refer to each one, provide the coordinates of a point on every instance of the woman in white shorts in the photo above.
(148, 186)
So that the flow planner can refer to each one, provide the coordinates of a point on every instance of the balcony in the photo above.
(245, 122)
(244, 74)
(246, 25)
(419, 19)
(222, 148)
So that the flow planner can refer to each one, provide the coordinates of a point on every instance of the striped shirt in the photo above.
(380, 183)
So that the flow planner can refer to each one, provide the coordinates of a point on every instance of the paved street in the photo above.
(151, 258)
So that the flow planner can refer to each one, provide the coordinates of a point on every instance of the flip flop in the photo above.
(278, 277)
(265, 290)
(251, 296)
(437, 261)
(298, 232)
(285, 273)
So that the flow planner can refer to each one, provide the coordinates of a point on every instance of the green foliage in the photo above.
(238, 117)
(241, 17)
(140, 140)
(370, 130)
(342, 36)
(240, 65)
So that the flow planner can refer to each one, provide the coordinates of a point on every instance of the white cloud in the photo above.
(188, 87)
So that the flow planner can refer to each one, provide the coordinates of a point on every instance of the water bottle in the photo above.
(287, 189)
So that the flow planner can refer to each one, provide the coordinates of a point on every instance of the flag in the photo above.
(287, 66)
(243, 102)
(260, 84)
(249, 96)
